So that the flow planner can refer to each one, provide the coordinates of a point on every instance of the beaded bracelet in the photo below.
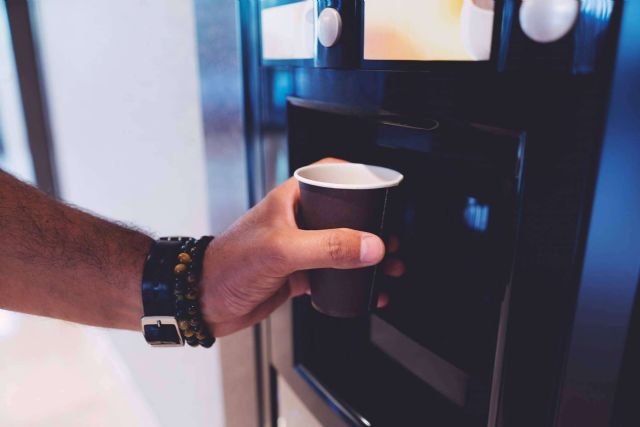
(187, 272)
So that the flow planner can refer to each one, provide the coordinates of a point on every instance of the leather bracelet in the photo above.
(159, 324)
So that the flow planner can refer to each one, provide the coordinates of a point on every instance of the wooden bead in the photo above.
(183, 325)
(192, 278)
(184, 258)
(200, 336)
(192, 309)
(188, 333)
(179, 269)
(207, 342)
(192, 294)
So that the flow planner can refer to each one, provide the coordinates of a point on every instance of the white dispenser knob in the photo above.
(546, 21)
(329, 26)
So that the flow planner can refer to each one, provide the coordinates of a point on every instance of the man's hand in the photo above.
(259, 262)
(60, 262)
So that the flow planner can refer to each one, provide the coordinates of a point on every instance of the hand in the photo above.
(260, 262)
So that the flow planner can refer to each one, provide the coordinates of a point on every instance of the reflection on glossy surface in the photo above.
(598, 9)
(595, 18)
(281, 87)
(476, 215)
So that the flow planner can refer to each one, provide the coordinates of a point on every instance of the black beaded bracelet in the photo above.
(188, 272)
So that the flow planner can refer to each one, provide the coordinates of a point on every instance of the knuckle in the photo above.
(334, 250)
(337, 248)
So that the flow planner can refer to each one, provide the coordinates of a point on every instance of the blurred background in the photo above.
(117, 88)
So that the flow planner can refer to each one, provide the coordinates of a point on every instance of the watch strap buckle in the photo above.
(162, 331)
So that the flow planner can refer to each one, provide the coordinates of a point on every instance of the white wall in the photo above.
(122, 86)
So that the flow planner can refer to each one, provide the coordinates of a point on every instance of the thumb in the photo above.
(341, 248)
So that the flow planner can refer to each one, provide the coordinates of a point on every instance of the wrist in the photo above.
(209, 299)
(126, 281)
(171, 293)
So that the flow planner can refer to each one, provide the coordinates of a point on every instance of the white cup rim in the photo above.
(378, 176)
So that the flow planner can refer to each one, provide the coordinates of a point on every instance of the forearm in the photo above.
(60, 262)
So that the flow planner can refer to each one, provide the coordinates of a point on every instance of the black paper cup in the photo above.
(351, 195)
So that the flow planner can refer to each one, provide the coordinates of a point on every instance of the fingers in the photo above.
(337, 248)
(393, 244)
(383, 300)
(331, 160)
(256, 315)
(299, 284)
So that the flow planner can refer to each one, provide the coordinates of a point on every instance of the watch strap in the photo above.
(159, 324)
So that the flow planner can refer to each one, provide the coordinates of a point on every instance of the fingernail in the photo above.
(370, 250)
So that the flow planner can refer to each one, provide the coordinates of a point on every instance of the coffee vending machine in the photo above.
(517, 217)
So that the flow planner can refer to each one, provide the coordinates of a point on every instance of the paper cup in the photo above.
(351, 195)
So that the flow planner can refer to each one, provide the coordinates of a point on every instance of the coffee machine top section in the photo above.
(562, 36)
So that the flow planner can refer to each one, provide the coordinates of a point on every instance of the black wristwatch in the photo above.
(159, 324)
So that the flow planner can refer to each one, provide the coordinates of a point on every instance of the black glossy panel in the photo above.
(454, 214)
